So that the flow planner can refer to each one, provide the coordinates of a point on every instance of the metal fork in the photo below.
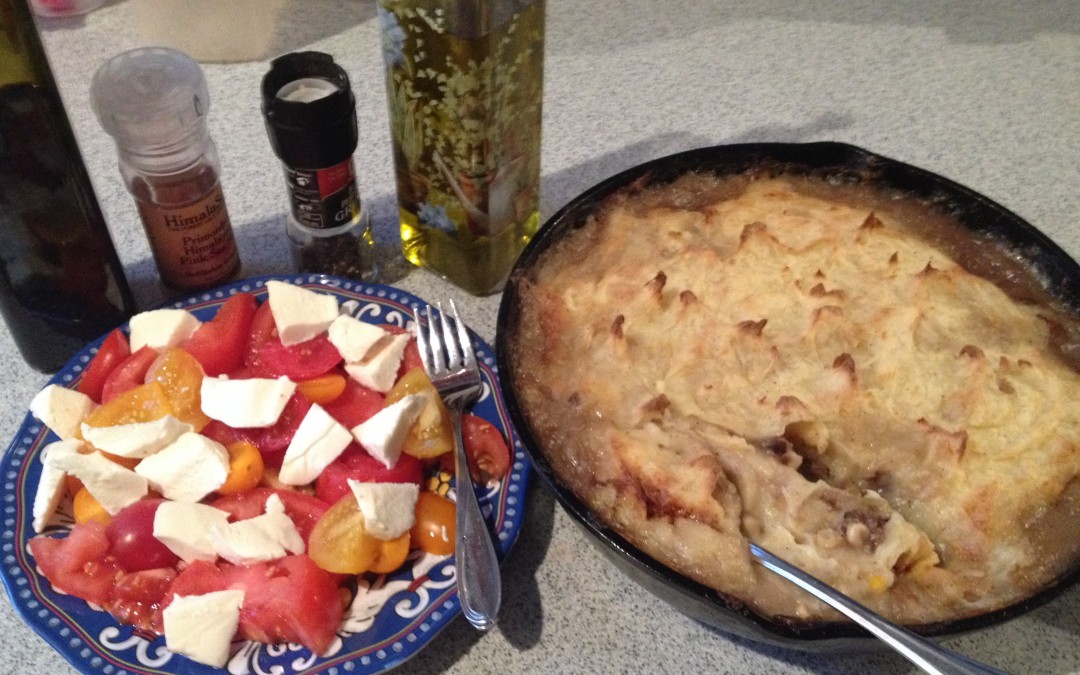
(450, 361)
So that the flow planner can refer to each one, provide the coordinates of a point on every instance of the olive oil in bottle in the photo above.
(464, 83)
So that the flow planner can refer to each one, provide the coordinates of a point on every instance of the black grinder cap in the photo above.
(313, 134)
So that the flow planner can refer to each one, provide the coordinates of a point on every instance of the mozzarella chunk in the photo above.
(319, 440)
(389, 508)
(136, 440)
(61, 409)
(201, 627)
(379, 370)
(184, 527)
(382, 433)
(188, 470)
(299, 314)
(111, 484)
(50, 490)
(266, 537)
(253, 402)
(161, 328)
(354, 338)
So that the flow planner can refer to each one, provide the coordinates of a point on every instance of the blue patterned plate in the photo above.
(394, 615)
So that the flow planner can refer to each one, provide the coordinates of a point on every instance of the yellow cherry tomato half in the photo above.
(339, 542)
(432, 434)
(435, 529)
(86, 508)
(144, 403)
(246, 468)
(181, 376)
(391, 555)
(322, 389)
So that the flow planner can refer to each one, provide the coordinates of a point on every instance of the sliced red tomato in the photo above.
(303, 361)
(304, 509)
(113, 350)
(197, 578)
(138, 598)
(77, 564)
(489, 457)
(355, 404)
(218, 431)
(411, 358)
(132, 541)
(357, 464)
(219, 345)
(129, 373)
(286, 600)
(263, 330)
(273, 441)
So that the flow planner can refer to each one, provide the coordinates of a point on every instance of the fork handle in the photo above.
(479, 583)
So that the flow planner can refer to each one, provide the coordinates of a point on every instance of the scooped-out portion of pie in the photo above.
(843, 376)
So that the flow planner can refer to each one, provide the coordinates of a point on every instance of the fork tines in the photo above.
(445, 346)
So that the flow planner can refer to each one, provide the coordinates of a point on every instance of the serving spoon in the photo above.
(923, 653)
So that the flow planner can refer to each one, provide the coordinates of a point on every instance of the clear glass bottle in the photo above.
(61, 282)
(464, 82)
(154, 103)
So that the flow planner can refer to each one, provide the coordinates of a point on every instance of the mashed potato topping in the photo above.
(774, 360)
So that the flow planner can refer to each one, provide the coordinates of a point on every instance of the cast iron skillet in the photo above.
(838, 162)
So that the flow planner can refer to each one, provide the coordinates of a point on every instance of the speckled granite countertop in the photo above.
(987, 94)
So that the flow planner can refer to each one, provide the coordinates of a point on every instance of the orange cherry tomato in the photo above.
(86, 508)
(245, 468)
(180, 374)
(339, 542)
(144, 403)
(432, 434)
(391, 554)
(322, 389)
(435, 529)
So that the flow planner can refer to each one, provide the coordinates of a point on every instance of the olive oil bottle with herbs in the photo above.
(464, 80)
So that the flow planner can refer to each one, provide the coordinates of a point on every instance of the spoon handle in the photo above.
(923, 653)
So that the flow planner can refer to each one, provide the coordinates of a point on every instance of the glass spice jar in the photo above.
(154, 103)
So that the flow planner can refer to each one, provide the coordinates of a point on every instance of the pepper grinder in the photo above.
(310, 116)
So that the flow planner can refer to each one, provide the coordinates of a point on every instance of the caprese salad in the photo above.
(227, 478)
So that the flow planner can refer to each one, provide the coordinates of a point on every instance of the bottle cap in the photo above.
(150, 97)
(309, 110)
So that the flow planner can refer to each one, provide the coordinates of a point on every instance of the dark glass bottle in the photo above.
(61, 282)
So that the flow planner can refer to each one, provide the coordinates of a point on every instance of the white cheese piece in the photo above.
(266, 537)
(319, 440)
(389, 508)
(354, 338)
(138, 439)
(382, 433)
(161, 328)
(184, 527)
(379, 370)
(50, 490)
(112, 485)
(242, 404)
(61, 409)
(299, 314)
(188, 470)
(201, 627)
